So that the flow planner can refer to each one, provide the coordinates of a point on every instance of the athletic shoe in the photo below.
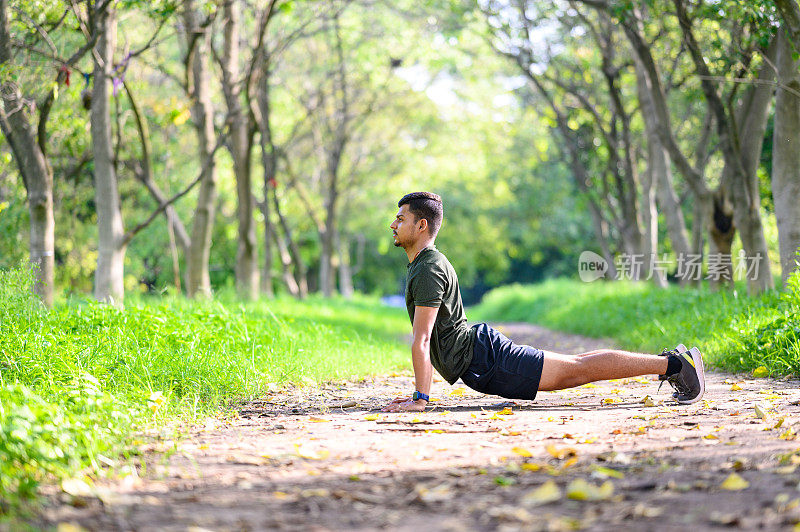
(689, 382)
(680, 348)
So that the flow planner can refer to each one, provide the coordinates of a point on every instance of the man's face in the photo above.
(405, 228)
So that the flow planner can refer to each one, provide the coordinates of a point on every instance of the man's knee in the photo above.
(562, 371)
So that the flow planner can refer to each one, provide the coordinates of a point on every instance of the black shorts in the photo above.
(501, 367)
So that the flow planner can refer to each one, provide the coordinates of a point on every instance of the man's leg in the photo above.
(567, 371)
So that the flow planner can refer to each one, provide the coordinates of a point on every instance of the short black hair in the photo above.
(425, 205)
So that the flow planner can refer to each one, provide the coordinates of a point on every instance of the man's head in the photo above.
(420, 216)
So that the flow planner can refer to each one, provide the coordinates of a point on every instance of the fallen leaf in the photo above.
(315, 492)
(372, 417)
(435, 494)
(648, 401)
(605, 472)
(309, 454)
(521, 451)
(788, 435)
(530, 466)
(547, 492)
(318, 420)
(562, 453)
(735, 387)
(69, 527)
(458, 392)
(759, 412)
(760, 371)
(569, 462)
(734, 482)
(77, 487)
(505, 412)
(580, 490)
(779, 423)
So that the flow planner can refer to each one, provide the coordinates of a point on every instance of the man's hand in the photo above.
(404, 404)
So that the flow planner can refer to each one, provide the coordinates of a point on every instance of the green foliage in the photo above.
(770, 337)
(735, 332)
(75, 379)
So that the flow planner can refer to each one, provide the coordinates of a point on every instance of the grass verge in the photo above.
(77, 381)
(735, 332)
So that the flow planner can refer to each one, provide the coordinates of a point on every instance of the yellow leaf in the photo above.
(530, 466)
(760, 371)
(547, 492)
(309, 454)
(76, 487)
(735, 387)
(648, 401)
(521, 451)
(416, 420)
(788, 435)
(458, 392)
(734, 482)
(562, 453)
(581, 490)
(280, 495)
(711, 437)
(444, 412)
(69, 527)
(372, 417)
(318, 420)
(605, 472)
(182, 117)
(505, 412)
(435, 431)
(474, 415)
(569, 462)
(759, 412)
(779, 423)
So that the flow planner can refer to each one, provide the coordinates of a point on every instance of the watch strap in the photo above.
(419, 395)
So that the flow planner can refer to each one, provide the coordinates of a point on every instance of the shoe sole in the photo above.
(697, 358)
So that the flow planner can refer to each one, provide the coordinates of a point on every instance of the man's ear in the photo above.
(423, 225)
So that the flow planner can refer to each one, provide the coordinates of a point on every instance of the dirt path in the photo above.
(327, 459)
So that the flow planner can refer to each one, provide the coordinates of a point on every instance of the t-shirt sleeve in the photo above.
(428, 288)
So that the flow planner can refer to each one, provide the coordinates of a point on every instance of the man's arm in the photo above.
(424, 318)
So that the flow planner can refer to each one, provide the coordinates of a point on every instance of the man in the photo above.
(482, 357)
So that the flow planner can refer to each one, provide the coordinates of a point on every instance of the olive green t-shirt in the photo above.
(432, 282)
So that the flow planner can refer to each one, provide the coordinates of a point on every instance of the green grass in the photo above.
(78, 381)
(735, 332)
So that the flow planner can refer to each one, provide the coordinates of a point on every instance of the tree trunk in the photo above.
(240, 147)
(345, 272)
(269, 233)
(786, 156)
(659, 164)
(37, 175)
(198, 281)
(650, 228)
(263, 114)
(721, 232)
(299, 264)
(327, 269)
(741, 147)
(286, 264)
(109, 286)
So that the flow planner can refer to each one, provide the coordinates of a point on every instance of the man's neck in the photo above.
(414, 250)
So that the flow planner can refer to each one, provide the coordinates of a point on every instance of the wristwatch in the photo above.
(420, 395)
